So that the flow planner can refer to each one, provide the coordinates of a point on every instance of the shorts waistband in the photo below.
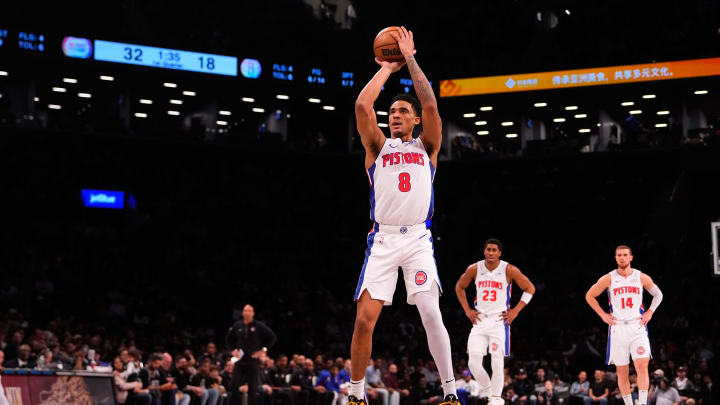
(627, 322)
(492, 315)
(400, 229)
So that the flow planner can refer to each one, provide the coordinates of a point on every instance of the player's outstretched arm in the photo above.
(371, 136)
(591, 297)
(432, 124)
(465, 280)
(516, 276)
(657, 295)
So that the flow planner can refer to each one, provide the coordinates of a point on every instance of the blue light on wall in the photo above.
(103, 199)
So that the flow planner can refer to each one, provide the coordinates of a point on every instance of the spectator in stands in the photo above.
(302, 384)
(216, 382)
(468, 389)
(599, 389)
(524, 389)
(200, 385)
(426, 394)
(373, 376)
(226, 374)
(663, 393)
(128, 392)
(24, 358)
(155, 380)
(328, 379)
(181, 378)
(581, 388)
(684, 386)
(539, 377)
(548, 396)
(393, 385)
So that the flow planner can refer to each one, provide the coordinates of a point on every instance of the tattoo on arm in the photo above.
(422, 86)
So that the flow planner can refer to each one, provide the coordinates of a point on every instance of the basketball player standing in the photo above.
(628, 336)
(492, 315)
(401, 171)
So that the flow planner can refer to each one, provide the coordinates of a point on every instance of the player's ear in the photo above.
(417, 120)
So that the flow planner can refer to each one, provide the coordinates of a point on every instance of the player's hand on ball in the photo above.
(405, 41)
(473, 315)
(393, 66)
(608, 319)
(646, 317)
(510, 315)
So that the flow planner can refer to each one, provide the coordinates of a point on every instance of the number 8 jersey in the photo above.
(625, 294)
(401, 189)
(493, 289)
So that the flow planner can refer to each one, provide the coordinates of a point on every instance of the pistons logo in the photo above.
(640, 350)
(494, 347)
(420, 277)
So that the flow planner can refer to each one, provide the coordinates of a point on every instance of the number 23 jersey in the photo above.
(493, 289)
(401, 184)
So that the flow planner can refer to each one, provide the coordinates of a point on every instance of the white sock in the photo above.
(498, 373)
(357, 389)
(642, 394)
(475, 363)
(627, 399)
(428, 304)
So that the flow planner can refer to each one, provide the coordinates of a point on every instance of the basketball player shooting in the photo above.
(401, 171)
(492, 315)
(628, 335)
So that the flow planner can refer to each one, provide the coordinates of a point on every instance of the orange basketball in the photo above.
(386, 48)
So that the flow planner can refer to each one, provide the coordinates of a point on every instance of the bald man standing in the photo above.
(249, 340)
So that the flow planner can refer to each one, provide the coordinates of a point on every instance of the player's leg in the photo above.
(477, 349)
(498, 347)
(368, 311)
(428, 304)
(623, 382)
(640, 351)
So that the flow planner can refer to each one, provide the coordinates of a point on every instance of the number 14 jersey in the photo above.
(625, 294)
(493, 290)
(401, 189)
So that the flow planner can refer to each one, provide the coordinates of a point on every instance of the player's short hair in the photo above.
(417, 107)
(493, 241)
(623, 247)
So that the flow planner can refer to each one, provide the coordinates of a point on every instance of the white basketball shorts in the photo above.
(390, 247)
(627, 340)
(491, 335)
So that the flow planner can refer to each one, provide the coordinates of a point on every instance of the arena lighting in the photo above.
(483, 132)
(507, 123)
(558, 119)
(635, 112)
(486, 108)
(314, 100)
(698, 92)
(145, 101)
(662, 125)
(480, 122)
(107, 78)
(282, 97)
(567, 11)
(220, 122)
(69, 80)
(54, 106)
(584, 130)
(382, 112)
(469, 115)
(59, 89)
(189, 93)
(511, 136)
(172, 112)
(580, 115)
(664, 112)
(598, 124)
(649, 96)
(171, 85)
(382, 124)
(36, 99)
(4, 73)
(627, 103)
(173, 101)
(540, 104)
(141, 115)
(571, 107)
(258, 110)
(224, 112)
(248, 99)
(84, 95)
(328, 107)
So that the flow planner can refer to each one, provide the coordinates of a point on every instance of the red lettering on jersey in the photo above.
(408, 157)
(626, 290)
(422, 160)
(386, 157)
(398, 157)
(490, 284)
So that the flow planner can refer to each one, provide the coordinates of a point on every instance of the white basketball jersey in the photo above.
(493, 289)
(401, 190)
(625, 295)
